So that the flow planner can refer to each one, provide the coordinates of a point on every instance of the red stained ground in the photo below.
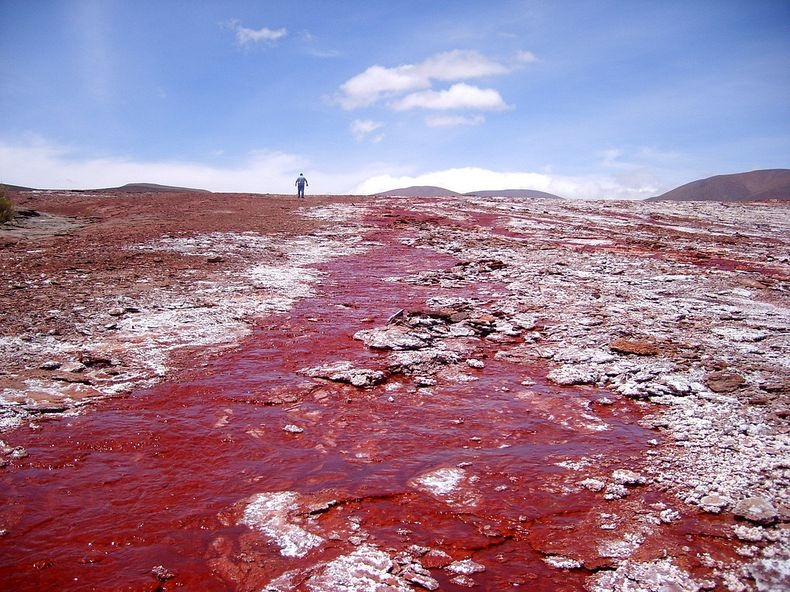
(159, 477)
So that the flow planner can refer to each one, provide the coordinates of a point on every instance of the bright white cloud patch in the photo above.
(246, 36)
(44, 165)
(467, 179)
(361, 128)
(526, 57)
(377, 82)
(453, 120)
(458, 96)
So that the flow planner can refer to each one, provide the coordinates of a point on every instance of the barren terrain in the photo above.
(238, 392)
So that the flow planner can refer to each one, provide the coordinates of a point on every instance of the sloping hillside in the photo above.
(754, 185)
(419, 191)
(523, 193)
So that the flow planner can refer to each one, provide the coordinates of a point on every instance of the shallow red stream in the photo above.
(160, 477)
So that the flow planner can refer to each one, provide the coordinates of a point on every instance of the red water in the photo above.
(160, 477)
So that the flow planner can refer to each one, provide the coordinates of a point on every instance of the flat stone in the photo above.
(161, 573)
(626, 477)
(724, 381)
(465, 567)
(660, 574)
(74, 367)
(367, 568)
(570, 375)
(615, 491)
(714, 504)
(594, 485)
(394, 338)
(639, 347)
(464, 581)
(436, 558)
(750, 534)
(347, 373)
(756, 509)
(419, 577)
(770, 574)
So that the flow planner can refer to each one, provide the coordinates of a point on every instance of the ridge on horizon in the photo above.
(756, 185)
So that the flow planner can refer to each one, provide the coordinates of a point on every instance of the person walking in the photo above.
(300, 183)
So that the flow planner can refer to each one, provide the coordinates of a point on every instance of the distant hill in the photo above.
(751, 186)
(16, 187)
(128, 188)
(149, 188)
(419, 191)
(518, 193)
(432, 191)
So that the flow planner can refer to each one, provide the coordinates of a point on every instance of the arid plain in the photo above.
(246, 392)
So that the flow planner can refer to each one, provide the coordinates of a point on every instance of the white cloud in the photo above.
(453, 120)
(377, 82)
(44, 165)
(460, 65)
(526, 57)
(361, 128)
(466, 179)
(38, 163)
(245, 36)
(458, 96)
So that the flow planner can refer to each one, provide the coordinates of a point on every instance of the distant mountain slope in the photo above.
(150, 187)
(16, 187)
(754, 185)
(518, 193)
(432, 191)
(419, 191)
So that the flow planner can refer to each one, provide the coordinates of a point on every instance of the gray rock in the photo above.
(593, 484)
(570, 375)
(615, 491)
(465, 567)
(770, 574)
(750, 534)
(626, 477)
(714, 504)
(345, 372)
(395, 338)
(756, 509)
(74, 367)
(660, 574)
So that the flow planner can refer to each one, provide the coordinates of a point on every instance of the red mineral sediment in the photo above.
(396, 406)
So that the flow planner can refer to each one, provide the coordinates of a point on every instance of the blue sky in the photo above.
(588, 99)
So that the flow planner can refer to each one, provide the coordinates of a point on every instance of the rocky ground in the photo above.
(648, 341)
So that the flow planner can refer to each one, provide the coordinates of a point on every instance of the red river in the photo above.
(160, 477)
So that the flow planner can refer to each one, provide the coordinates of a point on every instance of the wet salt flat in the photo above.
(444, 408)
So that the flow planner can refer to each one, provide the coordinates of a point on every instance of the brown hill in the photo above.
(419, 191)
(16, 187)
(518, 193)
(150, 187)
(751, 186)
(433, 191)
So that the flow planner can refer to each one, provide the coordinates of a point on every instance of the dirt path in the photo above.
(393, 395)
